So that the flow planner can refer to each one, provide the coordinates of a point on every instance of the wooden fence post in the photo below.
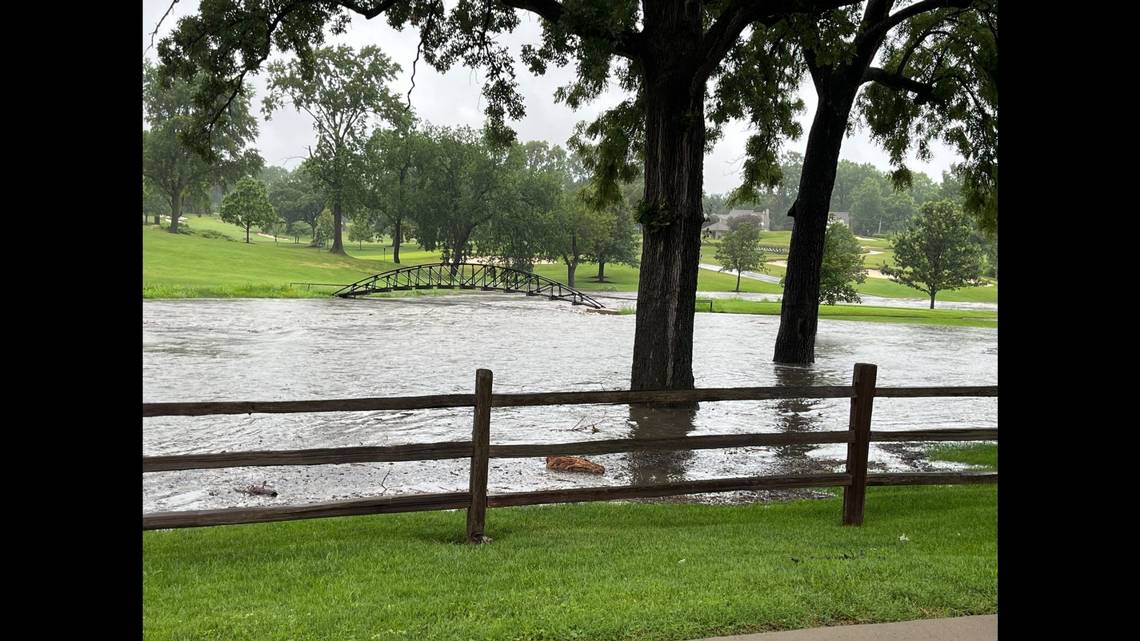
(480, 453)
(855, 495)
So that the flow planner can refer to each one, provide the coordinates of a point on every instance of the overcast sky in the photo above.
(455, 98)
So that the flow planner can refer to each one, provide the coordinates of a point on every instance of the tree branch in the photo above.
(880, 29)
(922, 91)
(724, 33)
(159, 25)
(368, 13)
(627, 44)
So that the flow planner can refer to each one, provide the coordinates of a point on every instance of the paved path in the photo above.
(975, 628)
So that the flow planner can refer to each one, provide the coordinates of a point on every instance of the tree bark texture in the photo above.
(175, 212)
(672, 215)
(799, 310)
(338, 217)
(396, 239)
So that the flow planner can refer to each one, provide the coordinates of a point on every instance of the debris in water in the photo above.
(262, 490)
(573, 464)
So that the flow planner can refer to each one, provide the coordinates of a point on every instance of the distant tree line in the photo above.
(868, 194)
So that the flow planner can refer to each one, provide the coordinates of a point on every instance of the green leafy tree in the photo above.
(619, 242)
(248, 205)
(740, 251)
(576, 226)
(174, 169)
(665, 54)
(935, 79)
(362, 230)
(341, 90)
(842, 266)
(466, 183)
(531, 206)
(276, 228)
(299, 228)
(153, 204)
(391, 176)
(297, 198)
(323, 230)
(937, 251)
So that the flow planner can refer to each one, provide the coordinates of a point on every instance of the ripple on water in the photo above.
(266, 349)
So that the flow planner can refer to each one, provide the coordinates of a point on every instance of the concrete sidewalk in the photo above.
(975, 628)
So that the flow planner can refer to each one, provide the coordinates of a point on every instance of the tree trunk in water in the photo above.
(338, 218)
(396, 239)
(799, 310)
(672, 218)
(601, 277)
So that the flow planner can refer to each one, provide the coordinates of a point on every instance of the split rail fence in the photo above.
(854, 479)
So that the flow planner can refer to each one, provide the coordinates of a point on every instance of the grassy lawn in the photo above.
(592, 571)
(982, 455)
(190, 265)
(865, 313)
(872, 286)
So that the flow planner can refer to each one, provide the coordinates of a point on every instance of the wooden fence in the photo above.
(854, 479)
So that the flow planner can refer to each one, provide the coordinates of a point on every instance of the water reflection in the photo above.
(659, 466)
(796, 415)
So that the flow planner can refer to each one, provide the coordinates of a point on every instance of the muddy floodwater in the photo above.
(248, 349)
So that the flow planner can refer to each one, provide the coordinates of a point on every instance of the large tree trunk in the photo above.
(175, 212)
(338, 218)
(157, 220)
(396, 239)
(799, 311)
(601, 277)
(458, 249)
(571, 267)
(674, 166)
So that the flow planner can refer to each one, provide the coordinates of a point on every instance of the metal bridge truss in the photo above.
(465, 276)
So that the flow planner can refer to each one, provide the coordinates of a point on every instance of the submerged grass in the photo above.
(603, 572)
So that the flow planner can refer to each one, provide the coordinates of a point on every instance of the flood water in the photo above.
(253, 349)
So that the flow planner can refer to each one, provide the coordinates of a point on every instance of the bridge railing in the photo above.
(466, 276)
(854, 479)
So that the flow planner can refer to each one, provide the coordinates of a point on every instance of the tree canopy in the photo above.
(248, 205)
(842, 266)
(341, 89)
(740, 250)
(175, 170)
(937, 251)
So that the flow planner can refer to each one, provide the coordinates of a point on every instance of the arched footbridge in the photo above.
(466, 276)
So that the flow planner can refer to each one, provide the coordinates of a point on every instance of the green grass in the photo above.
(872, 286)
(865, 313)
(603, 572)
(982, 455)
(190, 265)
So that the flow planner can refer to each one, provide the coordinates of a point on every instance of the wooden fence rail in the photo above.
(854, 479)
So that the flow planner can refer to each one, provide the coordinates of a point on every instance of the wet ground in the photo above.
(265, 349)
